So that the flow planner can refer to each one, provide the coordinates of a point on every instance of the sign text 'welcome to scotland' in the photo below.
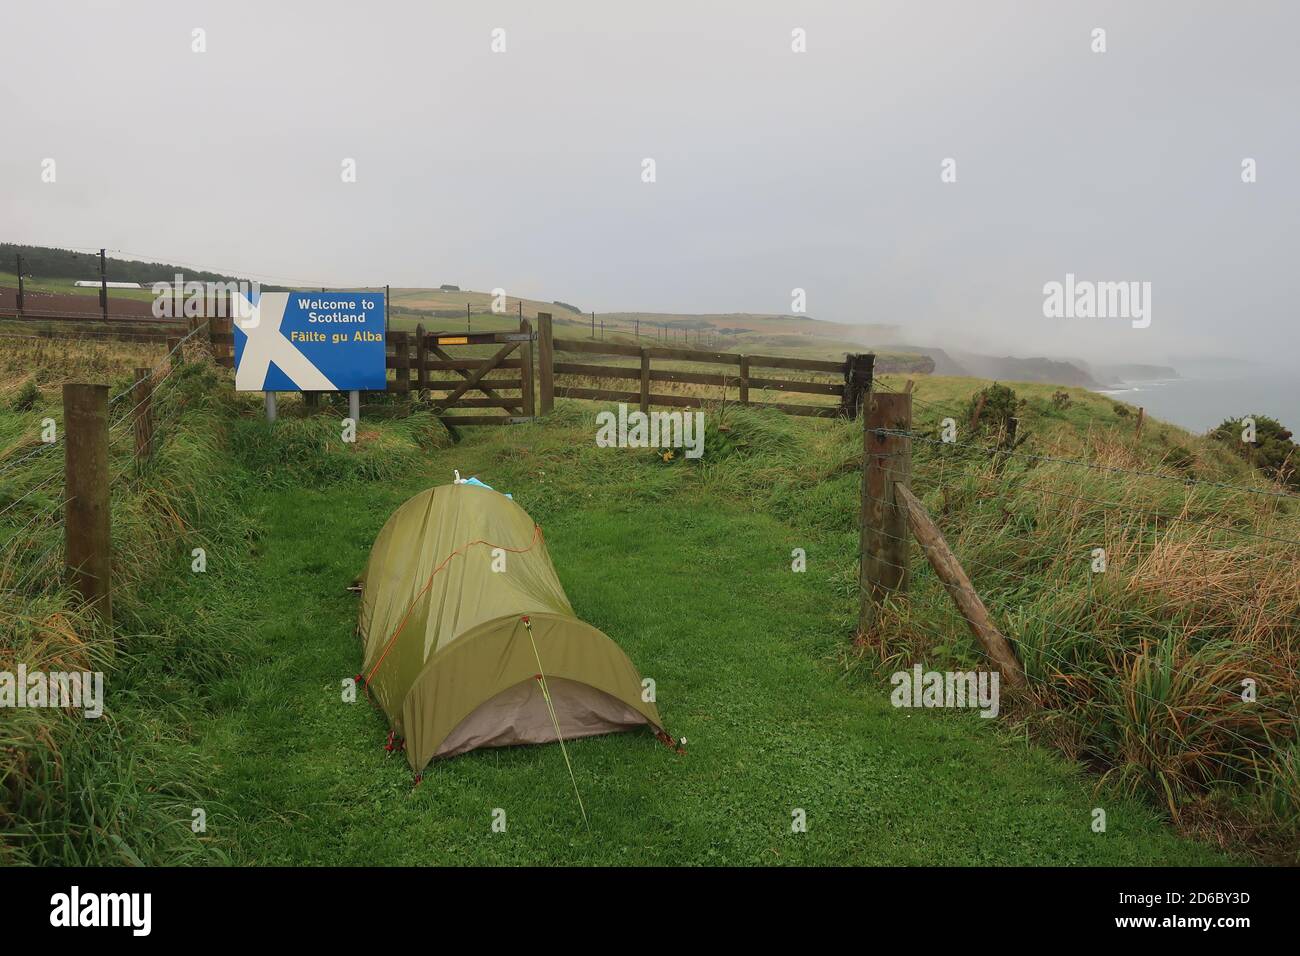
(310, 342)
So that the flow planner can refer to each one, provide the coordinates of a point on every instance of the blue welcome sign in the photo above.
(310, 342)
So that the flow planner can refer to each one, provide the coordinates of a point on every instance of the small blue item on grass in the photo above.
(478, 484)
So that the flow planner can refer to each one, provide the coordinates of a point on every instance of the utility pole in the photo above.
(20, 285)
(103, 284)
(593, 325)
(467, 318)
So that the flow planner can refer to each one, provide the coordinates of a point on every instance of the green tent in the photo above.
(466, 631)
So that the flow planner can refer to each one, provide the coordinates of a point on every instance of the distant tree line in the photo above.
(46, 263)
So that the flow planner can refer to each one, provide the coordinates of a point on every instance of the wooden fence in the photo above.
(854, 376)
(455, 372)
(433, 366)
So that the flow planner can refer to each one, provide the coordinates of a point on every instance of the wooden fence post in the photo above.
(950, 572)
(645, 380)
(208, 311)
(858, 371)
(86, 555)
(175, 352)
(744, 380)
(1137, 432)
(545, 362)
(422, 360)
(142, 415)
(526, 369)
(402, 363)
(887, 460)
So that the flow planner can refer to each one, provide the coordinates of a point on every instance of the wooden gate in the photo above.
(468, 372)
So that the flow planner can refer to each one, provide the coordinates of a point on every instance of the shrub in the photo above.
(1273, 452)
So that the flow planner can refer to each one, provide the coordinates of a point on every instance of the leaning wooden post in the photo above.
(86, 555)
(142, 415)
(645, 380)
(526, 369)
(545, 362)
(949, 571)
(887, 460)
(1137, 432)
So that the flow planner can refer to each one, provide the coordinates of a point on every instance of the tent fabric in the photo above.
(446, 654)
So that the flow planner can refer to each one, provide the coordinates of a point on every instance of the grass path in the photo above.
(701, 596)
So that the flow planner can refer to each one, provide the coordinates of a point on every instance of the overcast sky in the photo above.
(775, 170)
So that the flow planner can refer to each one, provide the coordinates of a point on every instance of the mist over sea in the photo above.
(1202, 402)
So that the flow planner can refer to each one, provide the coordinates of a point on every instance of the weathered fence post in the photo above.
(210, 318)
(744, 380)
(312, 401)
(526, 368)
(422, 361)
(645, 380)
(858, 370)
(401, 362)
(887, 460)
(545, 362)
(86, 555)
(1142, 414)
(142, 415)
(175, 352)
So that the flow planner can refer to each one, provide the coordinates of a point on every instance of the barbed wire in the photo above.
(35, 453)
(1121, 506)
(1091, 597)
(1004, 570)
(1039, 649)
(1012, 453)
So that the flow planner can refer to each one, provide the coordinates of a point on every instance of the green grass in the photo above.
(227, 685)
(701, 596)
(65, 287)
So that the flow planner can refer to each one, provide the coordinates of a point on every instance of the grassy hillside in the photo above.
(225, 696)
